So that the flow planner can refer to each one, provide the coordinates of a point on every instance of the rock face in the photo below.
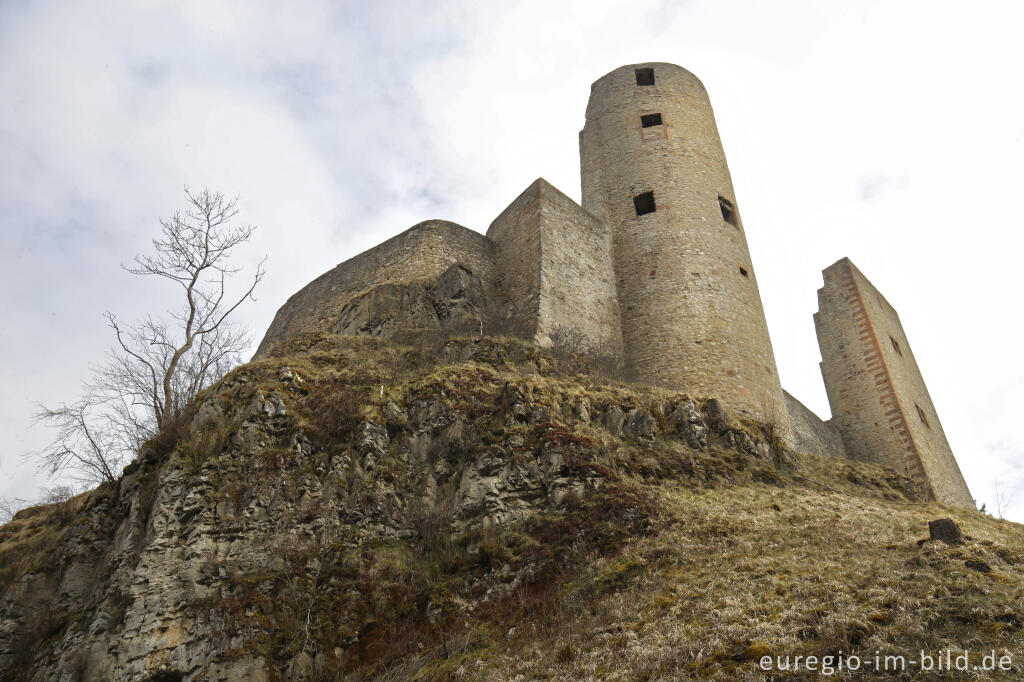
(238, 548)
(454, 301)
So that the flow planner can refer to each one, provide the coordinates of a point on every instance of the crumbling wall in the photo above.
(877, 394)
(516, 237)
(809, 433)
(424, 251)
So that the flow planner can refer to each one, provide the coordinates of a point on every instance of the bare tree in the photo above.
(159, 365)
(1003, 499)
(193, 252)
(86, 442)
(9, 506)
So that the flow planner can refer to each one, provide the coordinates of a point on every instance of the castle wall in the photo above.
(875, 389)
(578, 291)
(808, 433)
(516, 237)
(691, 312)
(423, 251)
(554, 267)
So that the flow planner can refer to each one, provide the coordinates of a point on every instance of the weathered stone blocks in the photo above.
(692, 317)
(875, 389)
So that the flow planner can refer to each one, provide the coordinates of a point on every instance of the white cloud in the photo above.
(888, 132)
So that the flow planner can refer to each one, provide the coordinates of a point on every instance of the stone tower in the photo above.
(878, 398)
(654, 171)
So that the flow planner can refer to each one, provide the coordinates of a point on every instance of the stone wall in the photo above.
(516, 237)
(691, 312)
(808, 433)
(424, 251)
(554, 269)
(875, 389)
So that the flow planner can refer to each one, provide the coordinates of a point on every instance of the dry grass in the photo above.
(744, 559)
(687, 563)
(736, 573)
(28, 540)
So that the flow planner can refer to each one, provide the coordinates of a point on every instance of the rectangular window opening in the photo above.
(644, 203)
(650, 120)
(645, 76)
(920, 413)
(743, 271)
(728, 211)
(896, 346)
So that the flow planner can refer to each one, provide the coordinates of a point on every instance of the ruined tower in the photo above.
(878, 398)
(654, 171)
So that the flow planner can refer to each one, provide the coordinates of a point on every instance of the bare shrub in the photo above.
(208, 439)
(1002, 498)
(335, 410)
(9, 506)
(576, 353)
(432, 525)
(776, 435)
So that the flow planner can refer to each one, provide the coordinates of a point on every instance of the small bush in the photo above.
(432, 526)
(577, 354)
(208, 440)
(334, 410)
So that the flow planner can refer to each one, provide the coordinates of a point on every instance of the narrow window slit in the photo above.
(743, 271)
(644, 203)
(921, 415)
(896, 346)
(728, 211)
(645, 76)
(650, 120)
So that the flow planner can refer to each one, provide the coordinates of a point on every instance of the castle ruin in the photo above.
(652, 270)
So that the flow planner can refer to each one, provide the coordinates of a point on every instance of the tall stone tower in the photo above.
(876, 392)
(653, 169)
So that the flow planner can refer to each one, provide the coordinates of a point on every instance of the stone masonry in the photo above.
(556, 270)
(875, 389)
(691, 311)
(424, 251)
(653, 271)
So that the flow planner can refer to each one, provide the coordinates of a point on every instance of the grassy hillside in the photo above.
(636, 556)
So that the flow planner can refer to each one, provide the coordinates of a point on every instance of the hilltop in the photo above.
(479, 509)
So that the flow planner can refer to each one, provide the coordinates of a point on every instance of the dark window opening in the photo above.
(920, 413)
(644, 203)
(645, 76)
(650, 120)
(728, 211)
(896, 347)
(743, 271)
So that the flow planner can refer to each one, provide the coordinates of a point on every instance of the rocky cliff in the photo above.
(354, 508)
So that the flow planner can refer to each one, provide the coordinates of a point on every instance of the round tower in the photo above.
(653, 169)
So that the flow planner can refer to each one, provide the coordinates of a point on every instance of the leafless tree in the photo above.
(160, 364)
(9, 506)
(1003, 499)
(193, 252)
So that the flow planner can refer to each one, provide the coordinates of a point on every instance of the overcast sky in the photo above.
(890, 132)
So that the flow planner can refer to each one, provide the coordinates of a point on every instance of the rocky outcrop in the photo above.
(455, 302)
(236, 548)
